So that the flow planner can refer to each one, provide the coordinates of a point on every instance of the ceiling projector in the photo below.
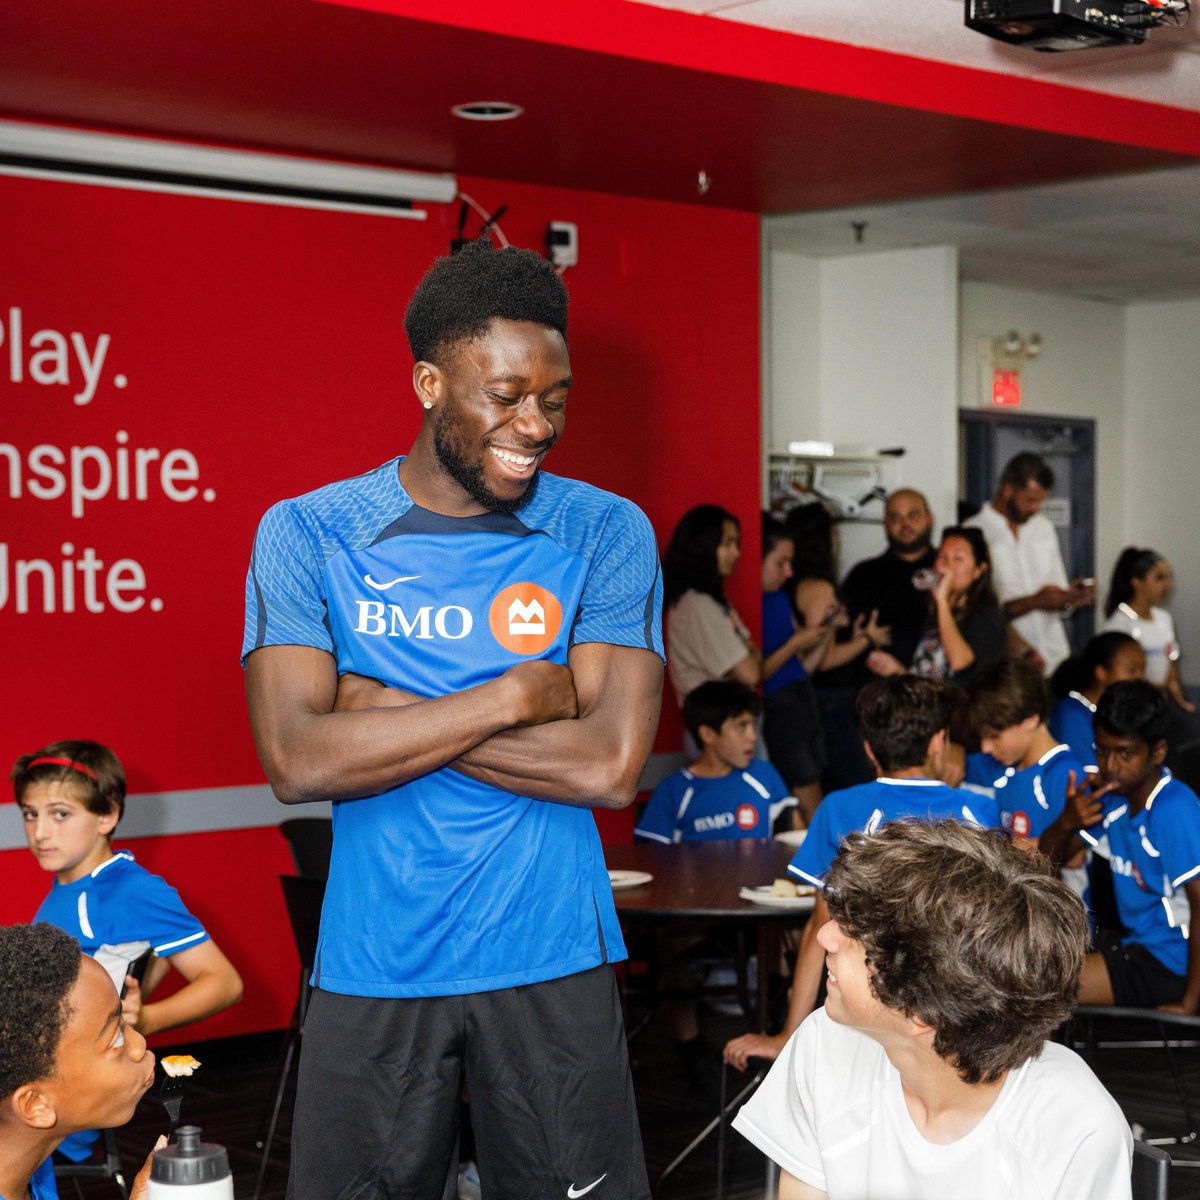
(1053, 25)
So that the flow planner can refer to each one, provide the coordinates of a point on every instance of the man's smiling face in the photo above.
(501, 408)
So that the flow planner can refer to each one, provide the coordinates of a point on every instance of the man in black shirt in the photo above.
(886, 583)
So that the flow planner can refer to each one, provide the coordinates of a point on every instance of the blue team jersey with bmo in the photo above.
(120, 910)
(867, 806)
(686, 807)
(445, 885)
(1031, 798)
(1153, 854)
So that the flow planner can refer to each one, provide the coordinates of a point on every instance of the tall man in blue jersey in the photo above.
(497, 636)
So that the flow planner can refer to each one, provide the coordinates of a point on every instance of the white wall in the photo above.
(1080, 372)
(1162, 436)
(863, 349)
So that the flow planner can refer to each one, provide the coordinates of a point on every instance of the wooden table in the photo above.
(699, 881)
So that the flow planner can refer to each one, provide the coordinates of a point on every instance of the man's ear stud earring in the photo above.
(428, 403)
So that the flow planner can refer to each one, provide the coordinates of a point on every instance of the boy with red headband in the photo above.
(72, 795)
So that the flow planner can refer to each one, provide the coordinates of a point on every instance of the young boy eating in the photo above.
(952, 958)
(68, 1061)
(903, 720)
(1149, 824)
(726, 792)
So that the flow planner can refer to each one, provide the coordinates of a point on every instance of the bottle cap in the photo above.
(189, 1160)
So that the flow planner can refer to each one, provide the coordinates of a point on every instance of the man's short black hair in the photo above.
(38, 968)
(1026, 468)
(713, 703)
(1134, 708)
(463, 293)
(898, 715)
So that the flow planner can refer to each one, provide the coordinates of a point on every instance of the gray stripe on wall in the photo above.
(205, 810)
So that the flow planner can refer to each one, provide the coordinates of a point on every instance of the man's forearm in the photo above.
(1022, 605)
(590, 762)
(310, 752)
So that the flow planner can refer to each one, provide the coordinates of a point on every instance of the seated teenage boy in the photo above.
(67, 1059)
(903, 720)
(952, 958)
(726, 792)
(1149, 825)
(1020, 760)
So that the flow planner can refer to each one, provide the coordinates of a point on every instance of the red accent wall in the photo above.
(266, 343)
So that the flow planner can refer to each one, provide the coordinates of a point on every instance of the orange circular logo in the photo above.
(525, 618)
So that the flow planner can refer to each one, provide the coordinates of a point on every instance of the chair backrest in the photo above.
(311, 843)
(1151, 1172)
(303, 898)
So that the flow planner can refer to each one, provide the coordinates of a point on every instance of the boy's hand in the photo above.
(883, 663)
(141, 1182)
(131, 1002)
(740, 1050)
(1083, 807)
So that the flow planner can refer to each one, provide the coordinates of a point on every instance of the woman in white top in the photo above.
(706, 639)
(1141, 584)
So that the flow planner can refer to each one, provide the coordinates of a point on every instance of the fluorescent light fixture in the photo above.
(148, 164)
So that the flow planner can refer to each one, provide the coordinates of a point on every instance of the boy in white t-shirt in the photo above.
(952, 956)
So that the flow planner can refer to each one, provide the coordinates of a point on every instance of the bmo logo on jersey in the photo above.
(713, 823)
(747, 816)
(525, 618)
(424, 622)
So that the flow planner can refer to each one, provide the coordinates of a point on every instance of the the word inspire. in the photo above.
(85, 474)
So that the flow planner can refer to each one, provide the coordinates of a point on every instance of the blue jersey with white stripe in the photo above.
(1153, 854)
(867, 806)
(686, 807)
(1030, 798)
(1071, 722)
(119, 911)
(446, 885)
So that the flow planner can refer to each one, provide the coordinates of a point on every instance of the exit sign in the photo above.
(1006, 388)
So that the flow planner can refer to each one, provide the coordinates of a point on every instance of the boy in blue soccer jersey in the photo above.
(726, 792)
(67, 1060)
(903, 720)
(71, 795)
(1149, 825)
(496, 634)
(1021, 763)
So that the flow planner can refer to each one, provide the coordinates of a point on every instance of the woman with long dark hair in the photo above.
(706, 639)
(1135, 604)
(966, 624)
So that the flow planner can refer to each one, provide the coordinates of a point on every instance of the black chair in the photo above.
(1151, 1173)
(1147, 1029)
(108, 1168)
(303, 898)
(311, 842)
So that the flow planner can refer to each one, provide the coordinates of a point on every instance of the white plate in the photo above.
(762, 895)
(792, 837)
(624, 880)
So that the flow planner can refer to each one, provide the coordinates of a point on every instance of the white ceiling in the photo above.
(1130, 238)
(1165, 69)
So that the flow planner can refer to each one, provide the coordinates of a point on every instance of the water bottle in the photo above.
(926, 579)
(199, 1168)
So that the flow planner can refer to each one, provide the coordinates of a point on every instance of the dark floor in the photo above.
(227, 1097)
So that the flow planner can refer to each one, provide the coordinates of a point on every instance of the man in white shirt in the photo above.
(952, 955)
(1027, 564)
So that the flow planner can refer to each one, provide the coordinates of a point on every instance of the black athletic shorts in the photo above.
(546, 1070)
(1138, 979)
(792, 729)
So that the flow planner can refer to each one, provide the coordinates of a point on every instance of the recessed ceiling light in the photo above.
(487, 110)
